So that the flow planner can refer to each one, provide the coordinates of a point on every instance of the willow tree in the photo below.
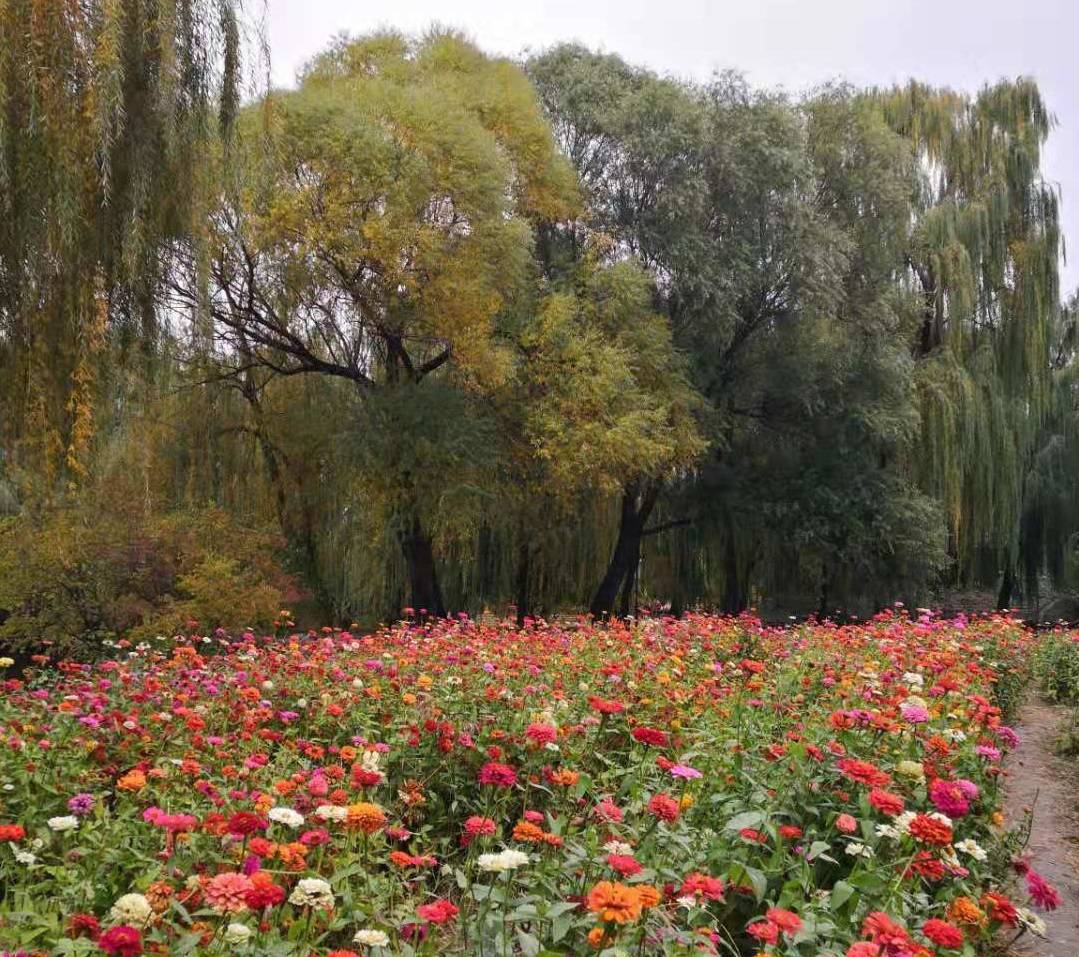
(1049, 526)
(381, 220)
(106, 109)
(598, 394)
(983, 254)
(636, 142)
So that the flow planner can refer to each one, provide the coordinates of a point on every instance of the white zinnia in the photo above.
(371, 938)
(971, 848)
(133, 909)
(312, 892)
(331, 812)
(1031, 921)
(618, 847)
(286, 816)
(237, 934)
(887, 830)
(66, 823)
(507, 860)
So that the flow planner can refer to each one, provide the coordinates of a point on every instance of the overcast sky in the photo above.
(789, 43)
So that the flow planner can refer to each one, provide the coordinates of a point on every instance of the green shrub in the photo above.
(1056, 666)
(74, 578)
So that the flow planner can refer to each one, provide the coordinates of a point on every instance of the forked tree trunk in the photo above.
(638, 502)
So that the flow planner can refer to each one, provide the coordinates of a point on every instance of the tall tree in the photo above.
(381, 221)
(983, 254)
(105, 111)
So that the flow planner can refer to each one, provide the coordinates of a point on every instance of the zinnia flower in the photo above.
(943, 934)
(312, 892)
(132, 909)
(438, 912)
(227, 893)
(664, 807)
(122, 939)
(369, 818)
(613, 902)
(499, 775)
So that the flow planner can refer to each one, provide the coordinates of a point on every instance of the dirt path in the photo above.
(1040, 779)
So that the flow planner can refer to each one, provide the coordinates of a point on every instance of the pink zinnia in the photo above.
(684, 771)
(542, 733)
(227, 893)
(608, 811)
(500, 775)
(914, 713)
(1042, 893)
(952, 797)
(122, 939)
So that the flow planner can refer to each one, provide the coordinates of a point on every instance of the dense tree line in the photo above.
(560, 334)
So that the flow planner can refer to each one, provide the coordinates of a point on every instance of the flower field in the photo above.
(705, 785)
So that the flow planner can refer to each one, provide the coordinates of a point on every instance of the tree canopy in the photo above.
(451, 332)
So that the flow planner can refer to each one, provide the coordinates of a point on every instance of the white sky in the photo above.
(789, 43)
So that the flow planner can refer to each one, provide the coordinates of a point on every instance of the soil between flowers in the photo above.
(1046, 783)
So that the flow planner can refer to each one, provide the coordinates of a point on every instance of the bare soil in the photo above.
(1046, 784)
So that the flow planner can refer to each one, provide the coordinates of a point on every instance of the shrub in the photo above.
(75, 578)
(1056, 665)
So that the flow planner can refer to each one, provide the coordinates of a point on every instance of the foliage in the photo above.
(558, 334)
(1056, 666)
(688, 786)
(108, 109)
(77, 580)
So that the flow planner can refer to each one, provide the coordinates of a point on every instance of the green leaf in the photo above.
(745, 819)
(841, 893)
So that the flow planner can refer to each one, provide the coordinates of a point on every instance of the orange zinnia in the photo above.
(615, 903)
(369, 818)
(134, 780)
(963, 910)
(648, 895)
(527, 832)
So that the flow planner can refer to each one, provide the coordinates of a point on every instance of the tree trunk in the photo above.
(524, 562)
(426, 595)
(735, 591)
(629, 601)
(638, 501)
(822, 611)
(1007, 586)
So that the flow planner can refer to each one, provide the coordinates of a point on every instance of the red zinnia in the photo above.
(886, 802)
(1000, 908)
(943, 934)
(122, 939)
(500, 775)
(698, 884)
(664, 807)
(624, 864)
(243, 823)
(786, 920)
(930, 830)
(764, 930)
(863, 772)
(438, 912)
(83, 925)
(652, 736)
(604, 706)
